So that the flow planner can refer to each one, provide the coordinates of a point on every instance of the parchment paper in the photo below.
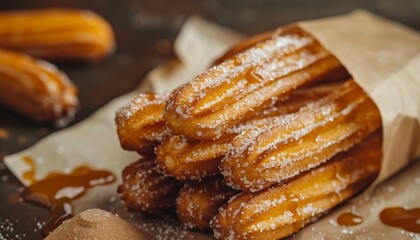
(94, 141)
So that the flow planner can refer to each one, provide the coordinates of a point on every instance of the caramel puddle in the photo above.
(407, 219)
(348, 219)
(57, 190)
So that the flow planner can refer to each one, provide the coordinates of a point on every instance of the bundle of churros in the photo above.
(261, 144)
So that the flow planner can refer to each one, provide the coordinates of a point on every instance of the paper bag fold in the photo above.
(384, 59)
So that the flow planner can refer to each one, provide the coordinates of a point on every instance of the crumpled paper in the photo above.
(392, 86)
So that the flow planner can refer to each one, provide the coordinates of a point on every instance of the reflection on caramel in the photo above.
(349, 219)
(407, 219)
(57, 190)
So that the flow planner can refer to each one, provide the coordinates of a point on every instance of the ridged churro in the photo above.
(263, 156)
(57, 34)
(36, 89)
(285, 208)
(234, 90)
(186, 160)
(146, 191)
(140, 125)
(198, 202)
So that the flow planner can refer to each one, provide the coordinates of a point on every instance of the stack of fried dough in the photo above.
(258, 146)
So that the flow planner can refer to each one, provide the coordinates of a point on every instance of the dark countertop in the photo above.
(145, 31)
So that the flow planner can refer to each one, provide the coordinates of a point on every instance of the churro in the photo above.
(140, 125)
(36, 89)
(252, 80)
(263, 156)
(198, 202)
(285, 208)
(57, 34)
(145, 190)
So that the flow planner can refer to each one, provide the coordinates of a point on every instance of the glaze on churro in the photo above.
(36, 89)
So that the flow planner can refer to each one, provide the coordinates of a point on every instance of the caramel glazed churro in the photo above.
(36, 89)
(57, 34)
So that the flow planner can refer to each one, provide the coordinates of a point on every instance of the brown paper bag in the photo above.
(384, 59)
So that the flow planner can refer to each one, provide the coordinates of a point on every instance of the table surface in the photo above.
(145, 31)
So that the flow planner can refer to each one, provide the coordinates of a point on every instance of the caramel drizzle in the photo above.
(407, 219)
(29, 175)
(57, 190)
(348, 219)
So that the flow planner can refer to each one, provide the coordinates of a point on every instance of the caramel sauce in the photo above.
(348, 219)
(30, 174)
(407, 219)
(252, 77)
(57, 190)
(295, 209)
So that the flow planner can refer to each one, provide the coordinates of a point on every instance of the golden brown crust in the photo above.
(144, 190)
(36, 89)
(247, 83)
(140, 125)
(58, 34)
(190, 161)
(186, 160)
(285, 208)
(300, 141)
(198, 202)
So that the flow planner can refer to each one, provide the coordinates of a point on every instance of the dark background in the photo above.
(145, 31)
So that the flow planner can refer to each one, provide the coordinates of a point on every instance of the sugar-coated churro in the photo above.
(198, 202)
(234, 90)
(145, 190)
(263, 156)
(140, 125)
(285, 208)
